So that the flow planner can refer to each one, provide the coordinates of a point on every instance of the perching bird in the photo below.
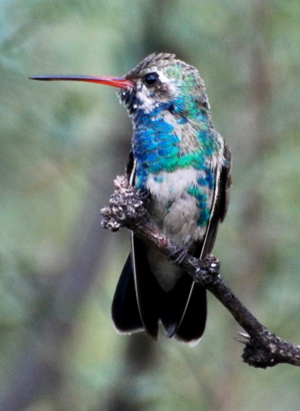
(183, 163)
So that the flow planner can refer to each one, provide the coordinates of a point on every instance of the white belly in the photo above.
(173, 209)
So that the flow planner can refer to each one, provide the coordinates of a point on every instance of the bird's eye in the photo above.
(151, 78)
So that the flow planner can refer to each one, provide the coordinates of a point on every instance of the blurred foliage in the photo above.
(62, 143)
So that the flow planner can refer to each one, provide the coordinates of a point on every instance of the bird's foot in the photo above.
(178, 255)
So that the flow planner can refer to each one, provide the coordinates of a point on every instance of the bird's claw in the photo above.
(178, 255)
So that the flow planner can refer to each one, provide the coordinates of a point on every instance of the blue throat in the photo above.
(156, 145)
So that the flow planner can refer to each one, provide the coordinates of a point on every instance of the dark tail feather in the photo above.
(139, 302)
(136, 301)
(193, 323)
(147, 288)
(125, 312)
(173, 305)
(183, 310)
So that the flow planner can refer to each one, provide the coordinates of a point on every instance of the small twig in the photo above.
(262, 348)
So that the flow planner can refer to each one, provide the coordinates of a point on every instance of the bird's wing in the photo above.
(219, 203)
(135, 305)
(194, 314)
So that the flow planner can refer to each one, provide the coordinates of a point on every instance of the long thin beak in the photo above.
(120, 82)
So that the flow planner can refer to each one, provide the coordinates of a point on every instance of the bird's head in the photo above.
(160, 82)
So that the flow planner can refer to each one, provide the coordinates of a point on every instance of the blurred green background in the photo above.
(62, 145)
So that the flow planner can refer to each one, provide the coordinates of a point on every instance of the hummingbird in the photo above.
(183, 166)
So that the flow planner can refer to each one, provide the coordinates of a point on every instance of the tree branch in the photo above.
(262, 348)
